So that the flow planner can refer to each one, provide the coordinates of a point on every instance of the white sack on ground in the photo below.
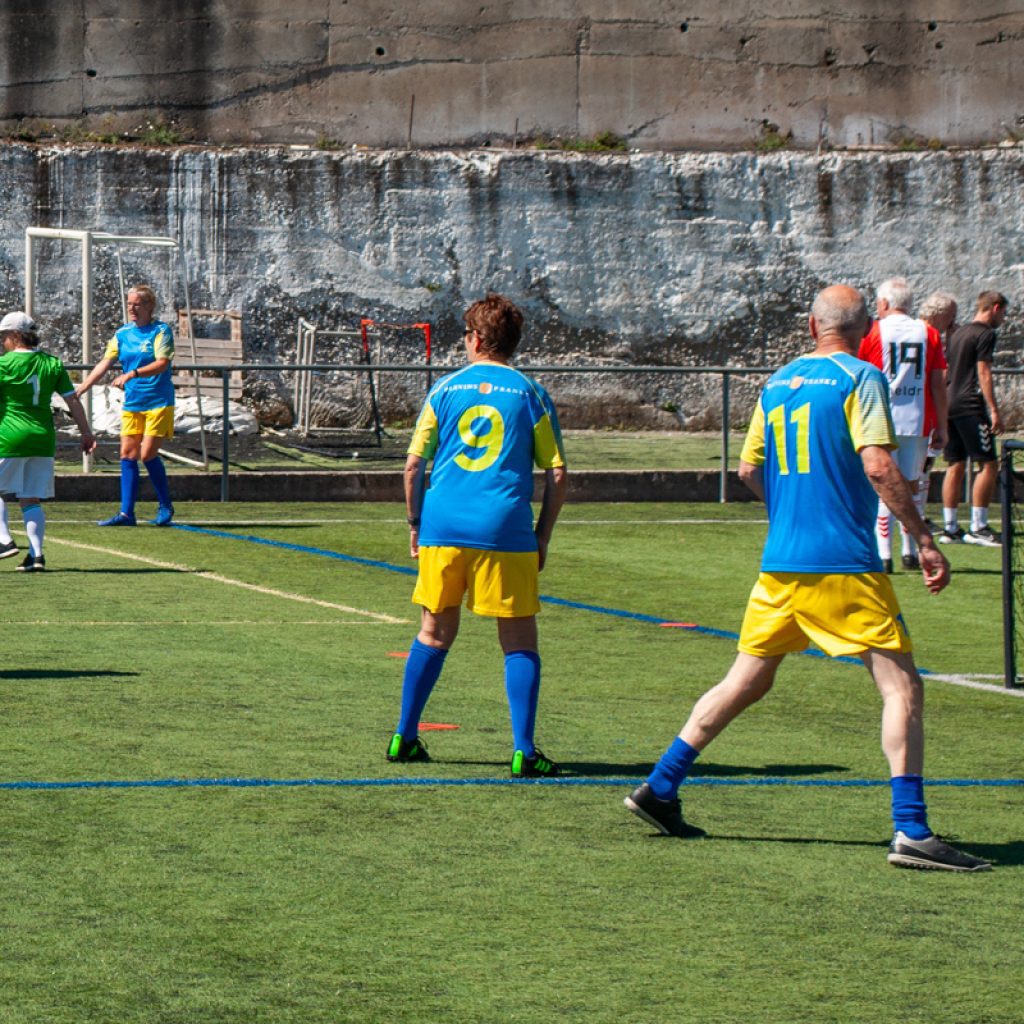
(107, 403)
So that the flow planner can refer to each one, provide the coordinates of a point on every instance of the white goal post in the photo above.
(87, 239)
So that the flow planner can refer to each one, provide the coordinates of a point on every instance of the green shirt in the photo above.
(28, 378)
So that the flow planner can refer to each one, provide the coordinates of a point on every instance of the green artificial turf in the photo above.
(155, 655)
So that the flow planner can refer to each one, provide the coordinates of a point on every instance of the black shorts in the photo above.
(970, 437)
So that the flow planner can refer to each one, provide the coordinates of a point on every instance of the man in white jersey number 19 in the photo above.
(909, 353)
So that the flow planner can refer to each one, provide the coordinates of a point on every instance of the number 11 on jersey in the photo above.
(801, 419)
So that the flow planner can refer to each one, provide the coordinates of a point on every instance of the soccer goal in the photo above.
(347, 401)
(1011, 470)
(35, 237)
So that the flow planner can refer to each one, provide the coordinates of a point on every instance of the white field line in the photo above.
(217, 578)
(972, 683)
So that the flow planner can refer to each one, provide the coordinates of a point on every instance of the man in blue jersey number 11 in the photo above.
(484, 427)
(818, 454)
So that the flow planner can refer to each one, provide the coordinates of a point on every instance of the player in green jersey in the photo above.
(28, 440)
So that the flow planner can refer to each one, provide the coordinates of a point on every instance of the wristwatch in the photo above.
(413, 521)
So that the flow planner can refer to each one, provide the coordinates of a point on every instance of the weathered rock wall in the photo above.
(682, 259)
(713, 74)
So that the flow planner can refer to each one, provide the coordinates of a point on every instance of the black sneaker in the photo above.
(32, 564)
(911, 562)
(665, 815)
(948, 536)
(887, 566)
(407, 750)
(932, 853)
(536, 766)
(8, 550)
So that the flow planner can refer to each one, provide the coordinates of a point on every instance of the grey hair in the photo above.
(936, 304)
(834, 314)
(898, 293)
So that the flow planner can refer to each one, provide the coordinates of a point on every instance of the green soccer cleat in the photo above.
(536, 766)
(407, 750)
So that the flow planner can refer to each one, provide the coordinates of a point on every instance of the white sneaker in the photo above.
(986, 537)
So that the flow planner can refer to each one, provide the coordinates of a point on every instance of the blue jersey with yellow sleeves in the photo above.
(133, 346)
(812, 419)
(485, 427)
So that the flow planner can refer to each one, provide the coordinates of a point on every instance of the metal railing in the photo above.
(726, 373)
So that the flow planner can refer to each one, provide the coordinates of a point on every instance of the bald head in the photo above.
(839, 316)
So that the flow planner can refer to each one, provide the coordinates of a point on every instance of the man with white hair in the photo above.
(818, 454)
(939, 310)
(909, 353)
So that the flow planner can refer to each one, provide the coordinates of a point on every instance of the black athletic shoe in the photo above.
(665, 815)
(32, 564)
(536, 766)
(407, 750)
(932, 853)
(8, 550)
(887, 566)
(911, 562)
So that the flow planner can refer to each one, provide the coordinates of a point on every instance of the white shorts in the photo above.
(30, 477)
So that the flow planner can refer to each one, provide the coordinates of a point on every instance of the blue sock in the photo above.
(522, 685)
(673, 767)
(129, 485)
(422, 669)
(158, 475)
(909, 814)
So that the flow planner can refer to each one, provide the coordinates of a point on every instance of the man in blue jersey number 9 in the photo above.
(484, 428)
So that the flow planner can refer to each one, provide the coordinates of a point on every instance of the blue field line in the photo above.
(597, 609)
(565, 780)
(373, 563)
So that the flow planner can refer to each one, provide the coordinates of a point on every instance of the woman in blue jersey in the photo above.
(144, 348)
(484, 428)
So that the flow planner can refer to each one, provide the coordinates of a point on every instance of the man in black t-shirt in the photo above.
(973, 422)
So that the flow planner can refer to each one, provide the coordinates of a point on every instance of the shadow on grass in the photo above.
(56, 673)
(641, 769)
(1009, 854)
(119, 572)
(968, 571)
(704, 769)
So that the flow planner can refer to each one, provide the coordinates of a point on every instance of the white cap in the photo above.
(18, 321)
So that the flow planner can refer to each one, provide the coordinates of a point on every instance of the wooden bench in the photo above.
(209, 352)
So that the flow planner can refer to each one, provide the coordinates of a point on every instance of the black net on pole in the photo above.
(1011, 478)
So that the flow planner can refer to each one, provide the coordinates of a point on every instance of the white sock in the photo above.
(979, 517)
(35, 527)
(883, 533)
(921, 495)
(5, 530)
(949, 518)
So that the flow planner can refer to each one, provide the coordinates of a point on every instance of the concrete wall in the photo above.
(682, 259)
(706, 74)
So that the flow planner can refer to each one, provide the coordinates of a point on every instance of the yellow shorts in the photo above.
(841, 613)
(151, 423)
(499, 584)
